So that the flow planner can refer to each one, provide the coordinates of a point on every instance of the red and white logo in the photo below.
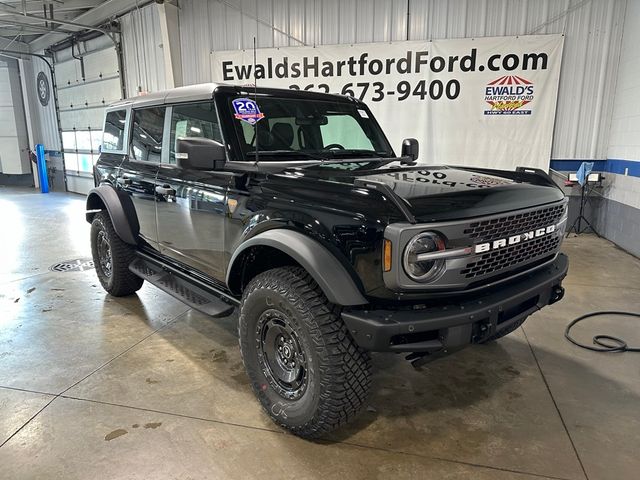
(508, 95)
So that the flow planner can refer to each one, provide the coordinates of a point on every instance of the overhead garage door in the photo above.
(87, 82)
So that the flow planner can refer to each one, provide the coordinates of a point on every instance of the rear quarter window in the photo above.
(147, 133)
(114, 127)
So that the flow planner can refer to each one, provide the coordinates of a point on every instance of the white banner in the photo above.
(484, 102)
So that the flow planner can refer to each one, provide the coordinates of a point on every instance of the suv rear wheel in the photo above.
(111, 258)
(305, 368)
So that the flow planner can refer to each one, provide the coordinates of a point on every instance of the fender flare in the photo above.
(120, 209)
(322, 265)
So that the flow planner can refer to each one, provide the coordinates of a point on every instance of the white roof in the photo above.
(202, 91)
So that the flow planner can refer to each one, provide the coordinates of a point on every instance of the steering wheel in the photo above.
(334, 145)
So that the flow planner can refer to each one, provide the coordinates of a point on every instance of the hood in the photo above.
(435, 193)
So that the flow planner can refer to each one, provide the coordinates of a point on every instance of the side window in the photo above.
(146, 135)
(344, 130)
(113, 136)
(196, 120)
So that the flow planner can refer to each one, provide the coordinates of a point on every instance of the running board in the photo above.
(189, 291)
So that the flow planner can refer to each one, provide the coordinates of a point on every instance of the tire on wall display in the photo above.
(43, 89)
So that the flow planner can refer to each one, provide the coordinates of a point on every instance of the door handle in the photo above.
(123, 181)
(165, 190)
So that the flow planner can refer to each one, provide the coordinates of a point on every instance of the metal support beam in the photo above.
(108, 33)
(79, 26)
(96, 16)
(34, 26)
(36, 7)
(14, 44)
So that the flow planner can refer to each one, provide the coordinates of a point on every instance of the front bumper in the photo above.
(454, 325)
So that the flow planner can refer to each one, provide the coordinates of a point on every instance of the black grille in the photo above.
(488, 230)
(520, 253)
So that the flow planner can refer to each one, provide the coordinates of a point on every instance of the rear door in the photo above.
(191, 204)
(114, 148)
(137, 175)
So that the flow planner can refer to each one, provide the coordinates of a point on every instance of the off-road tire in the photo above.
(511, 328)
(120, 281)
(339, 372)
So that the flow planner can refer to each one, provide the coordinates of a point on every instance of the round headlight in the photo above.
(422, 270)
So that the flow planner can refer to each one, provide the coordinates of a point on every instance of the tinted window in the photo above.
(146, 137)
(197, 120)
(304, 128)
(113, 137)
(344, 130)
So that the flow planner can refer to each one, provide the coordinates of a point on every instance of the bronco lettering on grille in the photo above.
(514, 239)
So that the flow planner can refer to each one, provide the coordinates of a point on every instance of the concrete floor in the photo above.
(142, 387)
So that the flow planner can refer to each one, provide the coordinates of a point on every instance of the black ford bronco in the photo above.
(293, 207)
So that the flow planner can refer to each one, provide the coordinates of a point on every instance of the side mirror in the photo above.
(196, 153)
(410, 148)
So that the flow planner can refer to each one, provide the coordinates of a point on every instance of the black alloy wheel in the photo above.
(305, 368)
(112, 257)
(280, 355)
(104, 253)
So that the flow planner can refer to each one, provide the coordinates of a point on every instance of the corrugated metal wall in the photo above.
(45, 130)
(593, 30)
(142, 50)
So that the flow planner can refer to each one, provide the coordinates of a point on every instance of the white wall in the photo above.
(592, 28)
(44, 121)
(144, 66)
(624, 141)
(618, 217)
(593, 31)
(14, 144)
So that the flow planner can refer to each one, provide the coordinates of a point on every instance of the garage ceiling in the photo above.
(26, 20)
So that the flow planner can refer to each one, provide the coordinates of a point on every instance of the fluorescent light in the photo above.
(195, 130)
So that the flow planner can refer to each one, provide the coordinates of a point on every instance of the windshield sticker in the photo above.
(363, 113)
(247, 110)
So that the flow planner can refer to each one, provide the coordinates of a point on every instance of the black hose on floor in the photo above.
(604, 343)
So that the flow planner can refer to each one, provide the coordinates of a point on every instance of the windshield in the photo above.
(300, 129)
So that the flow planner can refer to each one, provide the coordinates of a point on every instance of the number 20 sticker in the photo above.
(247, 110)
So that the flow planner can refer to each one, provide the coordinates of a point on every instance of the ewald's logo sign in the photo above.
(508, 95)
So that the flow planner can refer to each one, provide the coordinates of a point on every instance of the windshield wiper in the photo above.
(357, 153)
(287, 153)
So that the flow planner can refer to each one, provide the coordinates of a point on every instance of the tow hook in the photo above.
(556, 294)
(481, 331)
(419, 359)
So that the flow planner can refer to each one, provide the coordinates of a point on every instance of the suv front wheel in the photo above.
(111, 258)
(304, 367)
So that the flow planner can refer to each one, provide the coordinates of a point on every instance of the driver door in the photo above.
(192, 204)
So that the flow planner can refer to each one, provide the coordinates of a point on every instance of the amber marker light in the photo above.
(386, 255)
